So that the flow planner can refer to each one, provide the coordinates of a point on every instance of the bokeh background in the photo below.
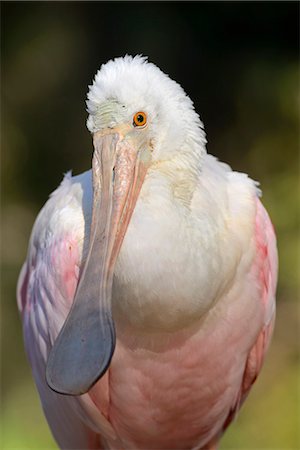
(239, 63)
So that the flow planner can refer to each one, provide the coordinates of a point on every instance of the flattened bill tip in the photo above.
(79, 359)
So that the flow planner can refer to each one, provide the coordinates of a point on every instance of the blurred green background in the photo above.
(239, 63)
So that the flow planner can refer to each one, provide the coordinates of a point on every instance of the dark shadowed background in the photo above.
(239, 63)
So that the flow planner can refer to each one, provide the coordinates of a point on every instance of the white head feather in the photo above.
(131, 84)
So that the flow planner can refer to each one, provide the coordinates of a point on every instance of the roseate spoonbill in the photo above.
(148, 293)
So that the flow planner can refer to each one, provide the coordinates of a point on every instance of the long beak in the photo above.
(85, 345)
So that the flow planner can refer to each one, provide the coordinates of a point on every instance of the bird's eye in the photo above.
(139, 119)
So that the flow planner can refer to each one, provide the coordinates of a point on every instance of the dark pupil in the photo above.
(140, 118)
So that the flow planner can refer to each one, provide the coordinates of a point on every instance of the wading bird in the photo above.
(148, 293)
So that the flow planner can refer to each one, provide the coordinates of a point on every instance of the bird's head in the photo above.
(135, 98)
(139, 118)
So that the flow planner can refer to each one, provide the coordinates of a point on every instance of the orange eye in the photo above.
(139, 119)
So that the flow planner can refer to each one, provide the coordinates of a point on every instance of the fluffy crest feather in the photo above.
(137, 85)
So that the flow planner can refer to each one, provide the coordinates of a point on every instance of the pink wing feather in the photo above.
(63, 413)
(265, 267)
(45, 292)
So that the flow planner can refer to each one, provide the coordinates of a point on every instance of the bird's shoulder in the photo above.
(67, 210)
(56, 244)
(243, 227)
(225, 201)
(234, 192)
